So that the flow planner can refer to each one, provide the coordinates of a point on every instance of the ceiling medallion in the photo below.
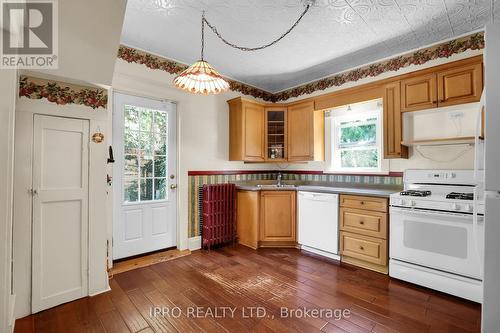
(202, 78)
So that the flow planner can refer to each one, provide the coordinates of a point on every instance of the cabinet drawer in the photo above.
(368, 203)
(368, 249)
(364, 222)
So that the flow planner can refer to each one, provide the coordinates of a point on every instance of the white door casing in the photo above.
(60, 210)
(147, 222)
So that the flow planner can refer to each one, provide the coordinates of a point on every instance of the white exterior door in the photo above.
(144, 175)
(60, 210)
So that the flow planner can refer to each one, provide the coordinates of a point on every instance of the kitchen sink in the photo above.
(276, 187)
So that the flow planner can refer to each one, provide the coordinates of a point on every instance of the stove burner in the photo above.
(415, 193)
(460, 196)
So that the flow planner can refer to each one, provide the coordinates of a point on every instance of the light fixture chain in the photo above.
(202, 34)
(244, 48)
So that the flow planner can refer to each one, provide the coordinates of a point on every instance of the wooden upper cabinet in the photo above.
(301, 131)
(419, 93)
(393, 130)
(460, 85)
(246, 131)
(277, 221)
(450, 84)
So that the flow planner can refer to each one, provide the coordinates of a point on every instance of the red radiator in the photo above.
(219, 214)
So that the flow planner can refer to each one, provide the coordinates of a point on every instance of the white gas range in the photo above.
(437, 232)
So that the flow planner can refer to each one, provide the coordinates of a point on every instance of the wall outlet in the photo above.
(456, 115)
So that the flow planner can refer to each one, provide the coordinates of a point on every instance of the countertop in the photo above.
(325, 187)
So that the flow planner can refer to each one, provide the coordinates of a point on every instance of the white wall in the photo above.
(89, 36)
(8, 91)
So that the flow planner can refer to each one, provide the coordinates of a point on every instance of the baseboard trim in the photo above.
(100, 292)
(12, 305)
(194, 243)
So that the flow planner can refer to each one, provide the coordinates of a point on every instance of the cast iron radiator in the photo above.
(218, 217)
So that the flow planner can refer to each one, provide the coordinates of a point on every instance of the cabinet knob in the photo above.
(361, 248)
(361, 222)
(362, 202)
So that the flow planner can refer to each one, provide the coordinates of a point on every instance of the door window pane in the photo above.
(146, 166)
(131, 118)
(130, 190)
(146, 189)
(160, 122)
(160, 146)
(160, 188)
(145, 149)
(160, 164)
(131, 166)
(146, 120)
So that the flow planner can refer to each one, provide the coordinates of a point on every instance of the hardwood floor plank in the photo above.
(113, 322)
(268, 279)
(124, 306)
(157, 323)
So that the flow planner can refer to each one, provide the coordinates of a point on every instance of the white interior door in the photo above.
(60, 210)
(144, 174)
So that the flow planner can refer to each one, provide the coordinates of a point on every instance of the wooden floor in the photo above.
(241, 278)
(147, 260)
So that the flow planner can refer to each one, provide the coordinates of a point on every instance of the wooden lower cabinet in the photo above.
(266, 218)
(364, 232)
(277, 218)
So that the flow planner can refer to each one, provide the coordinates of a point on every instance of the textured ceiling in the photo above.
(335, 35)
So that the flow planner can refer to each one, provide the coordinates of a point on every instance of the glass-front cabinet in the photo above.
(276, 134)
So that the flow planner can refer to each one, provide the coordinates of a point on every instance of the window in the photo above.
(145, 154)
(356, 138)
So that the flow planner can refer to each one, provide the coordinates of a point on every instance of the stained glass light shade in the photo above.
(201, 78)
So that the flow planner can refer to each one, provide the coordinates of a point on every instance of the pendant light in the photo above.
(201, 77)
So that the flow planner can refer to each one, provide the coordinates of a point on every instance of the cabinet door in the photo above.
(460, 85)
(277, 216)
(419, 93)
(393, 130)
(254, 132)
(301, 132)
(276, 134)
(247, 218)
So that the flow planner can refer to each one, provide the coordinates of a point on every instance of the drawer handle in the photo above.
(361, 222)
(362, 202)
(361, 248)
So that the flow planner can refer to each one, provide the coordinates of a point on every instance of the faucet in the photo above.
(279, 179)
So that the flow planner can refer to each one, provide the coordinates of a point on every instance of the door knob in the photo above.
(173, 186)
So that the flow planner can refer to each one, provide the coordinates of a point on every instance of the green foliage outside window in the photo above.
(357, 143)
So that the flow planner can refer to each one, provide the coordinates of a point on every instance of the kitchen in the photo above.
(338, 177)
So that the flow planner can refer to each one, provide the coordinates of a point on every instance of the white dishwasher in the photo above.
(318, 215)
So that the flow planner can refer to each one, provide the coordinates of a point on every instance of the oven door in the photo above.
(441, 240)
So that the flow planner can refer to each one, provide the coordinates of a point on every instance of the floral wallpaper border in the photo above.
(62, 93)
(443, 50)
(132, 55)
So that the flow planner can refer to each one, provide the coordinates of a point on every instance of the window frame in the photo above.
(338, 115)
